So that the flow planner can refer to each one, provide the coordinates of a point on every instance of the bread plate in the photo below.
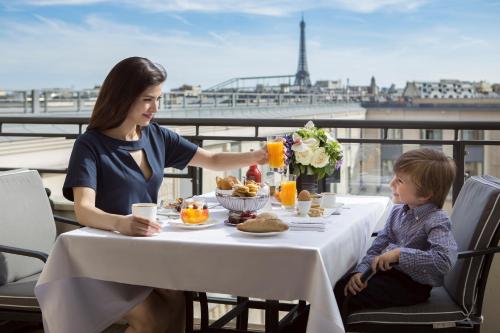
(261, 234)
(179, 224)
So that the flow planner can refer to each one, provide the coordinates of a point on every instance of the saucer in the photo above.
(336, 206)
(179, 224)
(335, 210)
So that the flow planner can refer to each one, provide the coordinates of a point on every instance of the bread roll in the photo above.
(262, 225)
(267, 215)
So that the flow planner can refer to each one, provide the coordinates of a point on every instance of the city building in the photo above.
(446, 89)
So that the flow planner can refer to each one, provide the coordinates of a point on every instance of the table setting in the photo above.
(237, 203)
(241, 239)
(88, 268)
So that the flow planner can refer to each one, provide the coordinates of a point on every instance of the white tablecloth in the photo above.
(82, 287)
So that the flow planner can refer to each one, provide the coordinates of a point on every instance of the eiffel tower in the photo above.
(302, 76)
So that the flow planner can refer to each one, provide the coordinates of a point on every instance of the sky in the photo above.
(75, 43)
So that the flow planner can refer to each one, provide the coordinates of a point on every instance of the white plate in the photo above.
(169, 212)
(262, 234)
(337, 205)
(334, 210)
(182, 225)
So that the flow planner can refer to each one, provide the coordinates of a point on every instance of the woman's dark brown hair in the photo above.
(124, 83)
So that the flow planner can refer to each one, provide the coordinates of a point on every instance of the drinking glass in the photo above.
(276, 151)
(288, 193)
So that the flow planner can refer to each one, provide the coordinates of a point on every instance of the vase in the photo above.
(334, 177)
(307, 182)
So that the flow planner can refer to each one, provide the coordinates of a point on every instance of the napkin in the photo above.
(307, 228)
(317, 225)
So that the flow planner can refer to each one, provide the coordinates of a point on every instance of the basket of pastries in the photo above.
(236, 196)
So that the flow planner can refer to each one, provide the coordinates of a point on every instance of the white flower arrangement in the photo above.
(313, 151)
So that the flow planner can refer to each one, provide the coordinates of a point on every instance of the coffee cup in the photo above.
(316, 199)
(328, 200)
(145, 210)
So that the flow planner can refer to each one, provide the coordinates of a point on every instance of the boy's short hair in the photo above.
(430, 170)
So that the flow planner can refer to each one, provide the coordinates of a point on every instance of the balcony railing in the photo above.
(36, 101)
(257, 129)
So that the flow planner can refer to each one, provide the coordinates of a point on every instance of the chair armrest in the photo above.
(24, 252)
(67, 221)
(475, 253)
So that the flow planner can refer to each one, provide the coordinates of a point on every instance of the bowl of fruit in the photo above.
(194, 211)
(236, 218)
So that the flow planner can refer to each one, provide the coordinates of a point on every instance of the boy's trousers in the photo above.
(385, 289)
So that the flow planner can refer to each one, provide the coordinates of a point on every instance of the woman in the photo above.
(120, 160)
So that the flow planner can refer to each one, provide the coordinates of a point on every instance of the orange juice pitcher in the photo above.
(288, 193)
(275, 149)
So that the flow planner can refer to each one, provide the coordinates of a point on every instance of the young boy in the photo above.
(416, 238)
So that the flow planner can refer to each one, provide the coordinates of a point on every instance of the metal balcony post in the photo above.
(78, 101)
(459, 157)
(35, 102)
(25, 101)
(45, 101)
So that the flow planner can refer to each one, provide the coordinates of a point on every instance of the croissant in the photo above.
(226, 183)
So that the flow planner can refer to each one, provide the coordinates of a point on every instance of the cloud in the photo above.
(41, 51)
(218, 37)
(181, 19)
(369, 6)
(81, 54)
(253, 7)
(61, 2)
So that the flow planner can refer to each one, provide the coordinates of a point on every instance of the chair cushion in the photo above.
(27, 223)
(475, 219)
(19, 295)
(438, 308)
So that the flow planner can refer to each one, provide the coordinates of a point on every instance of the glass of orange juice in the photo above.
(288, 193)
(276, 152)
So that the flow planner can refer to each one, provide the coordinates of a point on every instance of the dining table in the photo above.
(94, 277)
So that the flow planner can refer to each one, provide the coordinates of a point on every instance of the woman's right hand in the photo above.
(137, 226)
(354, 285)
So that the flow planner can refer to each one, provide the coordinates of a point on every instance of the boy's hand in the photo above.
(354, 285)
(383, 262)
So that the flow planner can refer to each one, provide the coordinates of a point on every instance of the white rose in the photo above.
(309, 124)
(304, 157)
(319, 158)
(312, 143)
(329, 137)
